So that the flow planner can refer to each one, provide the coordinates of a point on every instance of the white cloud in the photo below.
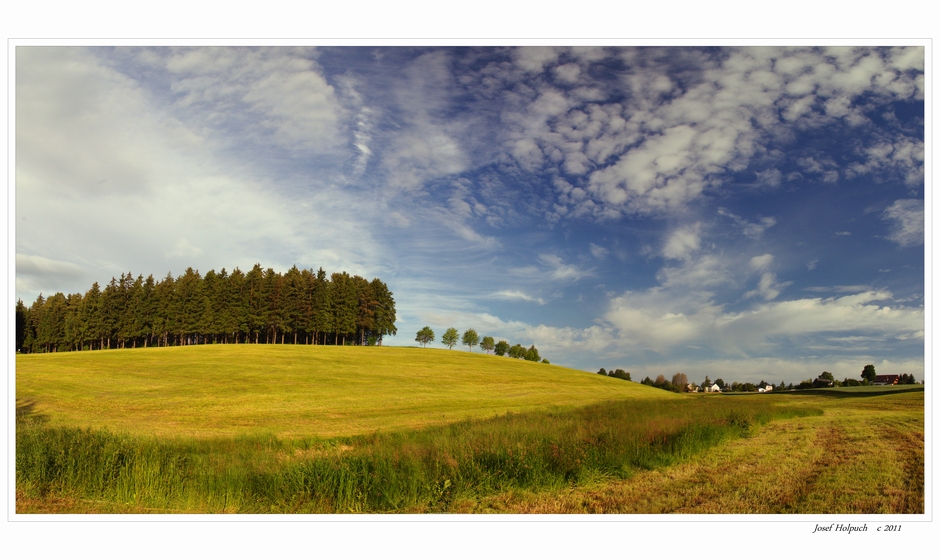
(702, 272)
(517, 295)
(106, 171)
(661, 148)
(535, 59)
(426, 146)
(770, 177)
(36, 274)
(683, 242)
(281, 87)
(753, 230)
(426, 154)
(767, 287)
(664, 320)
(854, 289)
(559, 270)
(901, 156)
(32, 264)
(598, 251)
(906, 221)
(761, 262)
(569, 73)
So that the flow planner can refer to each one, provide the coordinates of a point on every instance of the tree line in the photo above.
(826, 379)
(680, 382)
(260, 307)
(470, 339)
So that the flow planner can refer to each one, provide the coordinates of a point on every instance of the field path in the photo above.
(865, 455)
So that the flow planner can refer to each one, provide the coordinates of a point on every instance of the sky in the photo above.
(748, 213)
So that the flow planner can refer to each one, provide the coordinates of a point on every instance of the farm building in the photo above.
(712, 389)
(886, 379)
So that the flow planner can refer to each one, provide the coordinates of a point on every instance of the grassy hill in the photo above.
(295, 391)
(306, 429)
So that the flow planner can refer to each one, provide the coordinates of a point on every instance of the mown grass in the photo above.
(862, 456)
(427, 470)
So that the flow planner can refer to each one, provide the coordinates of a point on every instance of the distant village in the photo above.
(681, 384)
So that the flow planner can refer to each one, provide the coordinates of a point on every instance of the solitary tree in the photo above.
(471, 338)
(487, 344)
(450, 338)
(868, 374)
(425, 335)
(501, 348)
(681, 381)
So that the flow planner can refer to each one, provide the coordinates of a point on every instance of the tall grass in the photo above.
(408, 471)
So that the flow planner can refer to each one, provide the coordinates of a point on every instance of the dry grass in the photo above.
(865, 455)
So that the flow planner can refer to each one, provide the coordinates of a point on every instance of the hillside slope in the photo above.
(295, 391)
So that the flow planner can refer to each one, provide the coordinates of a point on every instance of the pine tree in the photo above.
(345, 302)
(22, 316)
(322, 320)
(216, 308)
(238, 323)
(385, 317)
(257, 301)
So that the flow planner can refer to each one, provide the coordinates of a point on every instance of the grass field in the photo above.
(291, 391)
(282, 429)
(863, 455)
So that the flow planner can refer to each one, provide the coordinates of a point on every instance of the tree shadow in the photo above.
(849, 393)
(26, 411)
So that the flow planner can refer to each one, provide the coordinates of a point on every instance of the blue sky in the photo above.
(744, 213)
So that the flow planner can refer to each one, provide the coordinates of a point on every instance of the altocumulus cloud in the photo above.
(906, 219)
(490, 187)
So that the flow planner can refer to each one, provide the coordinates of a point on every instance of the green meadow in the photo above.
(318, 429)
(290, 392)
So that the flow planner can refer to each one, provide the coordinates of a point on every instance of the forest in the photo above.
(260, 307)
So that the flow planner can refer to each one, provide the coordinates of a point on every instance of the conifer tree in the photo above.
(219, 307)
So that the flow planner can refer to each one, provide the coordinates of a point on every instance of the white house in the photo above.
(712, 388)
